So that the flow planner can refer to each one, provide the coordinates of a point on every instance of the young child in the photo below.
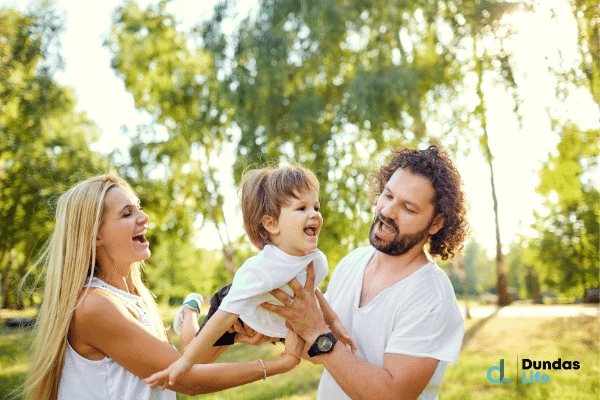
(281, 215)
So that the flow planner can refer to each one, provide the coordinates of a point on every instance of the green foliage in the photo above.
(568, 242)
(586, 13)
(522, 276)
(177, 268)
(178, 87)
(479, 269)
(44, 141)
(330, 84)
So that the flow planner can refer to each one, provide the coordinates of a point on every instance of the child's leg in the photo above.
(193, 301)
(189, 327)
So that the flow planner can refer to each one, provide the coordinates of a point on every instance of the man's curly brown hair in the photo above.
(449, 200)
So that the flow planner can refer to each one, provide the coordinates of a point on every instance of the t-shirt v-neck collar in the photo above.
(380, 294)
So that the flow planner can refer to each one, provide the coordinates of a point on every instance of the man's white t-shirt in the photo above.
(271, 268)
(417, 316)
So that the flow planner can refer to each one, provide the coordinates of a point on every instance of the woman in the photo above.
(99, 331)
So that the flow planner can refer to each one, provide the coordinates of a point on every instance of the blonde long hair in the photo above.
(69, 258)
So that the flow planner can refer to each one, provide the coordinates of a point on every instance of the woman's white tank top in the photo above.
(84, 379)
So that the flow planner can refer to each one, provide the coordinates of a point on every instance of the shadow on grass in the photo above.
(472, 331)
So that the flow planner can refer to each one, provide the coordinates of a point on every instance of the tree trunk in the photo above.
(228, 253)
(533, 286)
(503, 296)
(6, 281)
(461, 261)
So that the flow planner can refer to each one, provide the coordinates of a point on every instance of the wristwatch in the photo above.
(324, 344)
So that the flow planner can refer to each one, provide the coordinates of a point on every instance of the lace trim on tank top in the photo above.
(131, 301)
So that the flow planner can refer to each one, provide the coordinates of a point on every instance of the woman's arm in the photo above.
(102, 323)
(209, 378)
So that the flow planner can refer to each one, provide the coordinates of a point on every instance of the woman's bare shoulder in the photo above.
(96, 302)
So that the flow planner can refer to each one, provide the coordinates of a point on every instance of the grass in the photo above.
(487, 340)
(14, 345)
(490, 339)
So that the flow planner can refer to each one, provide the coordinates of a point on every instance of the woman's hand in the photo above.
(247, 335)
(294, 345)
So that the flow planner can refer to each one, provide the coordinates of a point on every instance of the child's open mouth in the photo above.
(310, 231)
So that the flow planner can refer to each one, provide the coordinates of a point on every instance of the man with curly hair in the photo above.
(392, 298)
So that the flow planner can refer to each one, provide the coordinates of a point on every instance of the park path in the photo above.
(562, 310)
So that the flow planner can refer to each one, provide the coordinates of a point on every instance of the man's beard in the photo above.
(400, 244)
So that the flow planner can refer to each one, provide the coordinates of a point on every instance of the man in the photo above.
(398, 305)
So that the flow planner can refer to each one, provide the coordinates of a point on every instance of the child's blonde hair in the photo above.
(264, 191)
(69, 258)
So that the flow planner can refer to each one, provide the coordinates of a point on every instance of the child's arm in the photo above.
(201, 344)
(188, 333)
(334, 322)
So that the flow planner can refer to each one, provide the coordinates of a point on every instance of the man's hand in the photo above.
(303, 314)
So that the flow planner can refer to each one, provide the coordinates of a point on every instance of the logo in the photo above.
(501, 369)
(528, 365)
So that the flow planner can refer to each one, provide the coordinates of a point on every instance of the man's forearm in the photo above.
(402, 377)
(358, 378)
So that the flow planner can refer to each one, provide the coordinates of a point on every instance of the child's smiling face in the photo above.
(296, 231)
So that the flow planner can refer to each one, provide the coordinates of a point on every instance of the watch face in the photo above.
(324, 343)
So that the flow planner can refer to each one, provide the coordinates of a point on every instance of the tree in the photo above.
(44, 141)
(335, 84)
(567, 245)
(489, 26)
(522, 274)
(331, 84)
(568, 242)
(177, 86)
(586, 13)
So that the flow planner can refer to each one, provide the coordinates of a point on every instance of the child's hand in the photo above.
(169, 375)
(338, 329)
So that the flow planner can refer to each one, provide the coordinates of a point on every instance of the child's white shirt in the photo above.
(271, 268)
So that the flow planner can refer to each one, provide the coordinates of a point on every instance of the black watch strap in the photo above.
(323, 344)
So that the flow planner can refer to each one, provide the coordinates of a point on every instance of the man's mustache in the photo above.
(387, 220)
